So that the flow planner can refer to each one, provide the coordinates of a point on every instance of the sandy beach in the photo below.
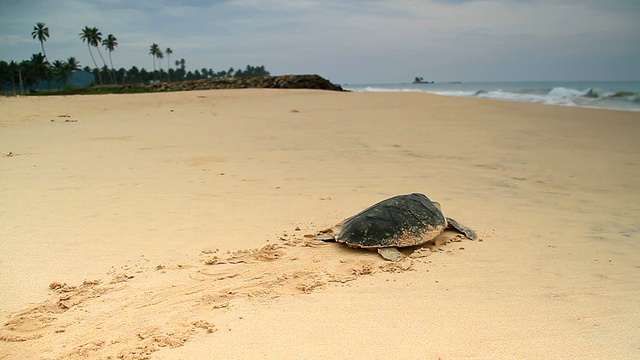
(180, 226)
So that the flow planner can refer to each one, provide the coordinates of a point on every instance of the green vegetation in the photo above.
(101, 90)
(46, 77)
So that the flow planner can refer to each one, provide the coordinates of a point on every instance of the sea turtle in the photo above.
(400, 221)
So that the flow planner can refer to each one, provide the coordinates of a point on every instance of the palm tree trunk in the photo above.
(104, 62)
(168, 77)
(112, 69)
(94, 62)
(153, 57)
(45, 57)
(21, 84)
(43, 53)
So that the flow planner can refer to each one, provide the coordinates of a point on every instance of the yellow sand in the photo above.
(172, 226)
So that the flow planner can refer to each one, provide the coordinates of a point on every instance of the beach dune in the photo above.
(180, 225)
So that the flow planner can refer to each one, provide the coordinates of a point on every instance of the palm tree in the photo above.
(168, 51)
(41, 32)
(9, 75)
(182, 71)
(98, 37)
(110, 43)
(153, 51)
(4, 74)
(179, 72)
(14, 70)
(160, 56)
(92, 36)
(73, 63)
(35, 70)
(63, 71)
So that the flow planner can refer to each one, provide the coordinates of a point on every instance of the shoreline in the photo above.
(156, 201)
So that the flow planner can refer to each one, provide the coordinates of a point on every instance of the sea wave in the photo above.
(594, 97)
(383, 89)
(557, 95)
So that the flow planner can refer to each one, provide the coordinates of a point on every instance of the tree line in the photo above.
(29, 73)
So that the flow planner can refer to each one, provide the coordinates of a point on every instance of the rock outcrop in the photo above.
(270, 82)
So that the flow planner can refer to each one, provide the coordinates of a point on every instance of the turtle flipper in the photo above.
(468, 232)
(325, 237)
(390, 253)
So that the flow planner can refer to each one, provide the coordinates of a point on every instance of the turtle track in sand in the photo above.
(142, 308)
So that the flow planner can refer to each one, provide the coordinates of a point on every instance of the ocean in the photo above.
(620, 95)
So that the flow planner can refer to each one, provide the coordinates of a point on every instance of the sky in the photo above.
(348, 41)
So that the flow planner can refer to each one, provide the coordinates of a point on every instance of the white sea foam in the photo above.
(561, 92)
(383, 89)
(455, 93)
(552, 98)
(620, 95)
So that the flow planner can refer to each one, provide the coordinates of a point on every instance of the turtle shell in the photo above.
(403, 220)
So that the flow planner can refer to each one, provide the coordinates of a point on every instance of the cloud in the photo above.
(349, 41)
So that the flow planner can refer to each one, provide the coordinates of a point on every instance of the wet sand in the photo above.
(177, 225)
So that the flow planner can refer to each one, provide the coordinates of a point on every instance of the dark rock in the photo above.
(271, 82)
